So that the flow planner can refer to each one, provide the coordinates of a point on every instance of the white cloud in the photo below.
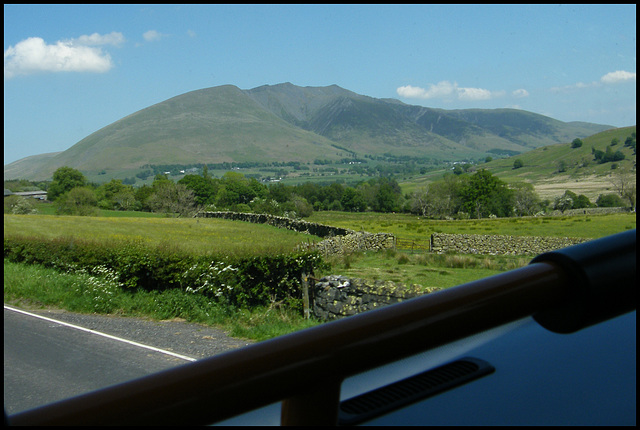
(618, 76)
(442, 89)
(33, 55)
(520, 93)
(152, 35)
(445, 90)
(113, 38)
(474, 94)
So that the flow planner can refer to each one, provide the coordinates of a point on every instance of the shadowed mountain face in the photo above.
(286, 122)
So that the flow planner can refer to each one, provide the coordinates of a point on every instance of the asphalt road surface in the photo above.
(53, 355)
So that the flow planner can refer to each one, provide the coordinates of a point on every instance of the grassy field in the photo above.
(582, 175)
(35, 286)
(411, 227)
(198, 235)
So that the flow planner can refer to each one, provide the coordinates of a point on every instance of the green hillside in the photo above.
(555, 168)
(287, 123)
(214, 125)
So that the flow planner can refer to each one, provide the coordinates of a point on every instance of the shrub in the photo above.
(609, 201)
(19, 205)
(238, 281)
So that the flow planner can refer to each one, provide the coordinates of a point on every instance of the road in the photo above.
(53, 355)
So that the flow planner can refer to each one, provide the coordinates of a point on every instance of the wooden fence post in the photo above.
(305, 295)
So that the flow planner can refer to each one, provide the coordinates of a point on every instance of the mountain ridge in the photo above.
(285, 122)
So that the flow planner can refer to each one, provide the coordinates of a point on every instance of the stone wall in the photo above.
(591, 211)
(338, 240)
(353, 242)
(301, 226)
(337, 296)
(498, 244)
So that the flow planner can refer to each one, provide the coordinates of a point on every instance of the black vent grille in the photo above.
(406, 391)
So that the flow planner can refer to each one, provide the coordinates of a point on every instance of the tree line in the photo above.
(458, 195)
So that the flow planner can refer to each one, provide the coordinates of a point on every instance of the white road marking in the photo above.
(130, 342)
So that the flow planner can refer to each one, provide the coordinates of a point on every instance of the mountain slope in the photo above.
(214, 125)
(286, 122)
(358, 122)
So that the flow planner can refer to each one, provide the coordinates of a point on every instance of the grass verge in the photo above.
(33, 286)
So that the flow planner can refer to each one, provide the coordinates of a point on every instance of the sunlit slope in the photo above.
(288, 123)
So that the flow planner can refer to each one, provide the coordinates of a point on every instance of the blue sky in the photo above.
(70, 70)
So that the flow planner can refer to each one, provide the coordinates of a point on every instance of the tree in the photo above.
(107, 191)
(173, 198)
(577, 143)
(19, 205)
(142, 195)
(624, 183)
(517, 163)
(562, 166)
(525, 200)
(64, 180)
(609, 201)
(203, 187)
(387, 195)
(78, 201)
(300, 206)
(563, 202)
(581, 201)
(353, 201)
(125, 200)
(485, 194)
(235, 188)
(441, 199)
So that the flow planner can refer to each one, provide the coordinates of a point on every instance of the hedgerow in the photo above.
(233, 280)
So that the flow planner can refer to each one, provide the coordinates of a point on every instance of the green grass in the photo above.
(39, 287)
(196, 235)
(424, 269)
(32, 286)
(411, 227)
(541, 164)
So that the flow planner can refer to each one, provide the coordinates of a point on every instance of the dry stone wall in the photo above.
(498, 244)
(338, 240)
(353, 242)
(337, 296)
(301, 226)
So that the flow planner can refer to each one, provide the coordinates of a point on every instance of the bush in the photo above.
(19, 205)
(609, 201)
(238, 282)
(78, 201)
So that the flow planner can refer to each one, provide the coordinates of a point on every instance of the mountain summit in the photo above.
(286, 122)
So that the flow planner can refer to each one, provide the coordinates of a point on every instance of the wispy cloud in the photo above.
(617, 77)
(113, 38)
(447, 90)
(34, 55)
(152, 36)
(520, 93)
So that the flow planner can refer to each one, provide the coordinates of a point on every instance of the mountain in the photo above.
(285, 122)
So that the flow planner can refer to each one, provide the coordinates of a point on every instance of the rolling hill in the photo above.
(553, 169)
(285, 122)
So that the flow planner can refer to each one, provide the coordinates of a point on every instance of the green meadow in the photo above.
(194, 235)
(411, 227)
(34, 286)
